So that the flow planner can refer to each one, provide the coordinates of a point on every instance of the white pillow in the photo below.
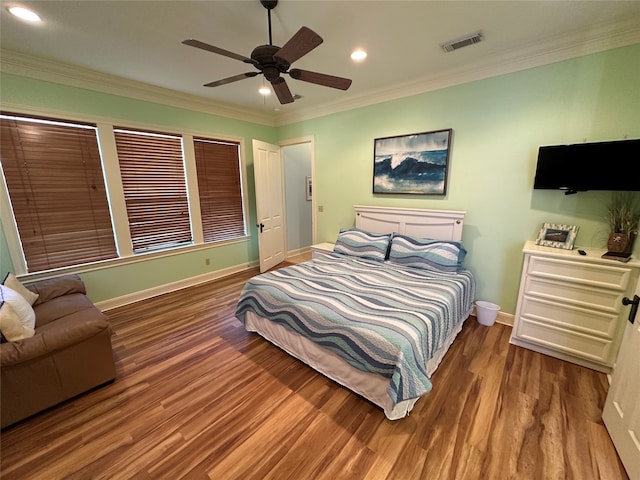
(14, 284)
(17, 318)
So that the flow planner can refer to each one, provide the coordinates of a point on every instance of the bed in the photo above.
(376, 315)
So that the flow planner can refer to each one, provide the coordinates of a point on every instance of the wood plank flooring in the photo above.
(197, 397)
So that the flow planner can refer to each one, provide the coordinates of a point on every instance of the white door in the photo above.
(267, 169)
(621, 412)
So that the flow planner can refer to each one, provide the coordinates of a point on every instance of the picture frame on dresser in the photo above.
(557, 235)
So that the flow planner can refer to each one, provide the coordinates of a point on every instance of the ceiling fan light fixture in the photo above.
(358, 55)
(24, 14)
(264, 90)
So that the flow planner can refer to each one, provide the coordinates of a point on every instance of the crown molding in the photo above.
(71, 75)
(555, 49)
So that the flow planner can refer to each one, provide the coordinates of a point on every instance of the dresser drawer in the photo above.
(596, 275)
(596, 349)
(574, 294)
(570, 318)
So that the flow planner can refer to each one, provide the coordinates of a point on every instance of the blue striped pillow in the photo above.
(358, 243)
(437, 255)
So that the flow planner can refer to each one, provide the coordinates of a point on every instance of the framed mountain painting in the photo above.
(414, 164)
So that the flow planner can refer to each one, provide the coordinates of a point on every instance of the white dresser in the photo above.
(570, 305)
(320, 249)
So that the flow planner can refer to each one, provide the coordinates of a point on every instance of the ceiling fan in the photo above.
(273, 61)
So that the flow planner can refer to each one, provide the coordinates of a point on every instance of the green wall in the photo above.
(112, 282)
(498, 125)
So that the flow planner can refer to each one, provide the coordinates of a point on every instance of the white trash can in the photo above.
(486, 312)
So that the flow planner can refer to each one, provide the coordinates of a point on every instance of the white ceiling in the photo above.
(141, 41)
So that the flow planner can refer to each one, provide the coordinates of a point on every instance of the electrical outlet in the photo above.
(320, 208)
(207, 261)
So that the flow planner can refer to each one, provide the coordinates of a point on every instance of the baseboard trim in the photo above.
(106, 305)
(298, 251)
(505, 318)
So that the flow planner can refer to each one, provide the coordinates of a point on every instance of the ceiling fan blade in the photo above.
(320, 79)
(220, 51)
(235, 78)
(300, 44)
(282, 91)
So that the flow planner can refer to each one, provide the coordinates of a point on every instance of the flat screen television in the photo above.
(589, 166)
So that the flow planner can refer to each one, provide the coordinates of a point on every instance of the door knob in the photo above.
(260, 226)
(634, 306)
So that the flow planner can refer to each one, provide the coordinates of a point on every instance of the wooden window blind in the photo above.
(153, 178)
(55, 181)
(220, 189)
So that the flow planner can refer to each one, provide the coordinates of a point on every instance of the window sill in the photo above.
(136, 258)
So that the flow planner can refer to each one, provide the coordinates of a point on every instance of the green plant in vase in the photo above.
(623, 217)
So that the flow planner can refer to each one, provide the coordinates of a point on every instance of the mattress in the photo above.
(368, 385)
(386, 322)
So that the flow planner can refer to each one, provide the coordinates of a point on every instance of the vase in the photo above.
(620, 242)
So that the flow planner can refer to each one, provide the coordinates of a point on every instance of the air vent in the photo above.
(462, 42)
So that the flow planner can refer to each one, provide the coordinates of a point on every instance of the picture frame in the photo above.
(309, 188)
(557, 235)
(415, 164)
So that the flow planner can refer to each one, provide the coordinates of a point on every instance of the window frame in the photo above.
(156, 161)
(211, 182)
(115, 194)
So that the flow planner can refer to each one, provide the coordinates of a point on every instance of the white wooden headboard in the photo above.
(436, 224)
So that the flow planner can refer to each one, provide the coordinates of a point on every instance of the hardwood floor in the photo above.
(198, 397)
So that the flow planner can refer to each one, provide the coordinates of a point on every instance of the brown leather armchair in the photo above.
(69, 354)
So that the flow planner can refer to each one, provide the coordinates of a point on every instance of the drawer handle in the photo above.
(634, 306)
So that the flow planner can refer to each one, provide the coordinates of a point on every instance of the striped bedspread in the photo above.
(377, 316)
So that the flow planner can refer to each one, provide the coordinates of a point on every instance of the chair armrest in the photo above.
(14, 353)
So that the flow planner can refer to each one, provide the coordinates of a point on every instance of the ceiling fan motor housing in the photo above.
(267, 63)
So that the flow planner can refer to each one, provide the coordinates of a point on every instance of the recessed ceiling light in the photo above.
(358, 55)
(24, 14)
(264, 91)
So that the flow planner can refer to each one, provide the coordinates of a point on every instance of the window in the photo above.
(82, 193)
(152, 171)
(220, 189)
(56, 186)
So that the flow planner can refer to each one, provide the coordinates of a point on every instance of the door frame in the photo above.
(310, 140)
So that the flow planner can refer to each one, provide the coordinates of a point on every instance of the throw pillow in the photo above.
(436, 255)
(14, 284)
(359, 243)
(17, 318)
